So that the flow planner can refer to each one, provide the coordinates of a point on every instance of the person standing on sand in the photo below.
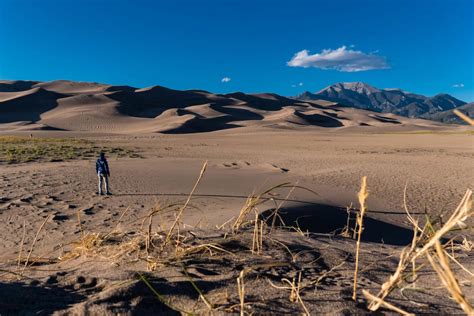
(103, 173)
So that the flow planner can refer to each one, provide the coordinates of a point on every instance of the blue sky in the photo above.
(286, 47)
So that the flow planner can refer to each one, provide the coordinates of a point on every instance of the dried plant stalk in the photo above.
(425, 242)
(440, 264)
(346, 230)
(363, 194)
(464, 117)
(275, 213)
(459, 216)
(257, 238)
(180, 214)
(21, 245)
(241, 291)
(393, 280)
(384, 303)
(33, 244)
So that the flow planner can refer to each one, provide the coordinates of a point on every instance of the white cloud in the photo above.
(300, 84)
(226, 79)
(340, 59)
(297, 85)
(458, 85)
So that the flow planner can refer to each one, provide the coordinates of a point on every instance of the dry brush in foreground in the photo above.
(255, 264)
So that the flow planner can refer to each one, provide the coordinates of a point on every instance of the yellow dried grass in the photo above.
(464, 117)
(176, 223)
(440, 264)
(362, 196)
(426, 242)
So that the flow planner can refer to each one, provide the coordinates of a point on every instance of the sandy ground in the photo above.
(436, 168)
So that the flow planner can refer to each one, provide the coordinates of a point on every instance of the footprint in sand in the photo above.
(46, 200)
(60, 217)
(84, 283)
(52, 280)
(22, 201)
(70, 206)
(4, 199)
(88, 210)
(280, 168)
(53, 198)
(26, 199)
(236, 164)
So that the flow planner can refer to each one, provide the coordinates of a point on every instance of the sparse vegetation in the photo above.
(252, 249)
(15, 149)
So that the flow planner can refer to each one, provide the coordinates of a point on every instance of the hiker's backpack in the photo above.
(101, 167)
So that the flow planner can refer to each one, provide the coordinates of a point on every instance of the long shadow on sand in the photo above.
(320, 218)
(244, 197)
(23, 299)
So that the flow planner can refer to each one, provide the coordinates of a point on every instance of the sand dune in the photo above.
(16, 86)
(83, 106)
(72, 87)
(27, 105)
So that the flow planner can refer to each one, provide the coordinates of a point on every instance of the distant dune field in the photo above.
(93, 107)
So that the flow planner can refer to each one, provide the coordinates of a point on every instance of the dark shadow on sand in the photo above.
(18, 298)
(244, 197)
(385, 119)
(320, 218)
(29, 107)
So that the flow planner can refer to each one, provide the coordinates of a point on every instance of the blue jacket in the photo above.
(102, 167)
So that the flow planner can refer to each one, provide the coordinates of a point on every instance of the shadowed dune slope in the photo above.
(16, 86)
(27, 105)
(85, 106)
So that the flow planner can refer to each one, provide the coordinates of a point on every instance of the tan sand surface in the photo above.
(437, 168)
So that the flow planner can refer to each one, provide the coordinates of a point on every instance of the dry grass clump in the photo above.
(252, 203)
(427, 242)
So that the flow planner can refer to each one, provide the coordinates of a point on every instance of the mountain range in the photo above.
(364, 96)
